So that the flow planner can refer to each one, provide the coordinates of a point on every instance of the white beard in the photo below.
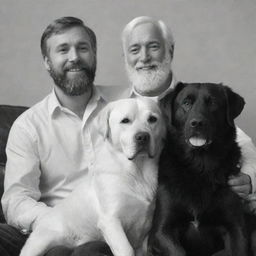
(149, 82)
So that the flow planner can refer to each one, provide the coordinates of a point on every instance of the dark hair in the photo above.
(60, 25)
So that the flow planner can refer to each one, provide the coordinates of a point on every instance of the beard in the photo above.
(149, 82)
(79, 83)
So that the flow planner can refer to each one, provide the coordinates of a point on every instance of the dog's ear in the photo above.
(235, 104)
(103, 121)
(166, 103)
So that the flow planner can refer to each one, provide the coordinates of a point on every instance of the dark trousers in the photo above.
(12, 241)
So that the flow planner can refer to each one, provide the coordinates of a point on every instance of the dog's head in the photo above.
(133, 126)
(202, 112)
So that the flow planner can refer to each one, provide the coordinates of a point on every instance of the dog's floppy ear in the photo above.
(103, 121)
(166, 103)
(235, 104)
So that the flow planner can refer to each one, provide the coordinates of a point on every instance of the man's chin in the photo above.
(76, 90)
(149, 83)
(145, 92)
(74, 83)
(148, 89)
(75, 86)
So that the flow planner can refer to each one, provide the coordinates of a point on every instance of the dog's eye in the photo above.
(152, 119)
(187, 102)
(210, 101)
(125, 121)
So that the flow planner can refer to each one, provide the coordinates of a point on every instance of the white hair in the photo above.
(166, 32)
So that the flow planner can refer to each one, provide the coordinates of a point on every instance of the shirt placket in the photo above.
(87, 136)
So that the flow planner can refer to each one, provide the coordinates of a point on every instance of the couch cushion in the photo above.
(8, 114)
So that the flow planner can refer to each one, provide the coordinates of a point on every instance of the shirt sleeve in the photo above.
(248, 156)
(21, 196)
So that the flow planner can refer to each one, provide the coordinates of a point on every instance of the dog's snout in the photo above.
(142, 137)
(194, 123)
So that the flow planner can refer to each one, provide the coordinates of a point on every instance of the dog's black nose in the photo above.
(142, 137)
(196, 123)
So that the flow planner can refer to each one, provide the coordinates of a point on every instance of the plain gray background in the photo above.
(215, 41)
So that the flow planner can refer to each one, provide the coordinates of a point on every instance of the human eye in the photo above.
(84, 48)
(62, 49)
(134, 50)
(154, 46)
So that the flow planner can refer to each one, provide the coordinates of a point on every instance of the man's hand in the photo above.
(241, 184)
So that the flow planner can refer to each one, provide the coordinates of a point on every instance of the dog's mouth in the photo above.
(141, 152)
(198, 142)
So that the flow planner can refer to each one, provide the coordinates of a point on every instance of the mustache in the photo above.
(78, 65)
(152, 65)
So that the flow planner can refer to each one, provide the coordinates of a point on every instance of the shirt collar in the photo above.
(54, 103)
(99, 95)
(134, 94)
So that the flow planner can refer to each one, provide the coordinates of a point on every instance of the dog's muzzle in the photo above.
(142, 144)
(197, 135)
(142, 138)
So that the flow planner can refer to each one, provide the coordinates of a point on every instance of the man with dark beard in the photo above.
(50, 146)
(148, 47)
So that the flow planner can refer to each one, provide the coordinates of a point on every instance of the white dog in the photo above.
(116, 202)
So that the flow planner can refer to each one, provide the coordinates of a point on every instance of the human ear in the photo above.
(47, 63)
(171, 51)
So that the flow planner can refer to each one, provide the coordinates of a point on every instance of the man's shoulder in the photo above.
(113, 92)
(34, 114)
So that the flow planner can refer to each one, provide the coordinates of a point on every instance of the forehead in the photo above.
(72, 35)
(143, 34)
(133, 108)
(206, 90)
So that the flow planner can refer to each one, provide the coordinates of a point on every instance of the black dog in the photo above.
(197, 214)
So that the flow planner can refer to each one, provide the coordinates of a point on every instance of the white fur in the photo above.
(116, 201)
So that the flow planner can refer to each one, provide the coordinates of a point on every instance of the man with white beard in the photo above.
(148, 47)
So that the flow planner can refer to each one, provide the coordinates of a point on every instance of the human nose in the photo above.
(144, 55)
(73, 55)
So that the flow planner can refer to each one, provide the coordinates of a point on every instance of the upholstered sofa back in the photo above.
(8, 114)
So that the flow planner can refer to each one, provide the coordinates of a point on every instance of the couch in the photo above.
(8, 114)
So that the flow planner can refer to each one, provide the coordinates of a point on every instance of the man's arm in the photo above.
(21, 186)
(245, 183)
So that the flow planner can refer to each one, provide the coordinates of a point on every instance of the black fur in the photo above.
(197, 214)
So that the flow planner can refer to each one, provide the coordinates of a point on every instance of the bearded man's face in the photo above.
(71, 61)
(148, 62)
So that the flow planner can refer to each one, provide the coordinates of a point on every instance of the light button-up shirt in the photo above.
(49, 151)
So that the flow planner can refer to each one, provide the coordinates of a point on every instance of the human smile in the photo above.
(147, 67)
(75, 70)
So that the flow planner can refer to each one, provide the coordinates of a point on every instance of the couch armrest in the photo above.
(8, 114)
(2, 168)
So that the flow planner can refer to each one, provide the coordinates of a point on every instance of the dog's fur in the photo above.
(197, 214)
(116, 201)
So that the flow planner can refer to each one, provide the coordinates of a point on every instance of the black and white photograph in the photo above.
(127, 128)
